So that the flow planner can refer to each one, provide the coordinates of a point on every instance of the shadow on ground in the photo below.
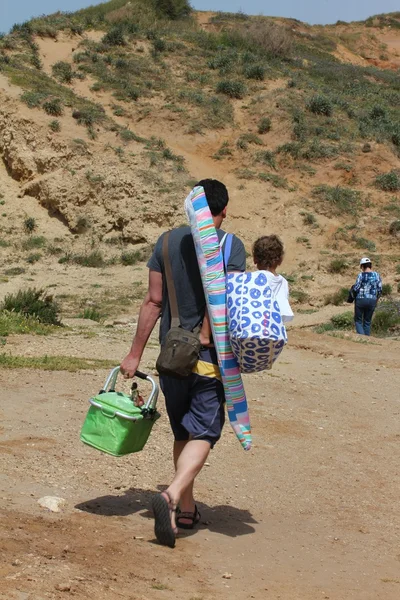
(223, 519)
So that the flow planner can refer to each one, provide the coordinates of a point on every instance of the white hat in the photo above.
(365, 261)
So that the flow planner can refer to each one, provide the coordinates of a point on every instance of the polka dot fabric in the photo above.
(256, 329)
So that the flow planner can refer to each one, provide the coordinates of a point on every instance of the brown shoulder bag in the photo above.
(180, 350)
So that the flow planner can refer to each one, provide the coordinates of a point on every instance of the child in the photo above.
(267, 255)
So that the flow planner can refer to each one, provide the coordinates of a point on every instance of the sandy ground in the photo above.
(311, 512)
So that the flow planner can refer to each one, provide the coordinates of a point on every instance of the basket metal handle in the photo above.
(151, 403)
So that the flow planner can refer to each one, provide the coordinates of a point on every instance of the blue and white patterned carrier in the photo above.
(256, 329)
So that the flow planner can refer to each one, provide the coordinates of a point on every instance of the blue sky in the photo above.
(311, 11)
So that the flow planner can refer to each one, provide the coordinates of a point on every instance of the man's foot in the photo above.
(164, 526)
(188, 520)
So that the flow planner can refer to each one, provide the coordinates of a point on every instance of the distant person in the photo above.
(367, 290)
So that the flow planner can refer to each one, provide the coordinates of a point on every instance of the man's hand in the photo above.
(129, 366)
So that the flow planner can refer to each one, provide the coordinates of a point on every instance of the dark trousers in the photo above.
(363, 311)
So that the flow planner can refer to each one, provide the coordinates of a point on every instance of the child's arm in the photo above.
(205, 333)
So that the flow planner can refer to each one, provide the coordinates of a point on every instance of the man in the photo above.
(195, 405)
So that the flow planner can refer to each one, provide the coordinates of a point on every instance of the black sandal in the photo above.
(194, 517)
(162, 509)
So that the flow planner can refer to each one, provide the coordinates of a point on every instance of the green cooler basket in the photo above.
(114, 424)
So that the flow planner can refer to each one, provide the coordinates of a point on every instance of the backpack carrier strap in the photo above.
(226, 243)
(173, 303)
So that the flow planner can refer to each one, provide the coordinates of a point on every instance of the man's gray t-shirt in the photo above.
(186, 275)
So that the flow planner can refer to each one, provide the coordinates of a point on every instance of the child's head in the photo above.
(268, 252)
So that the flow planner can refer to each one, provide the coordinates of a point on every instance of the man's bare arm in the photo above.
(148, 316)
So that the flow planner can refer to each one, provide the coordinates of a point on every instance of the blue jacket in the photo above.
(368, 285)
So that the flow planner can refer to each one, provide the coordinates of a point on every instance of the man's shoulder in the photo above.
(180, 232)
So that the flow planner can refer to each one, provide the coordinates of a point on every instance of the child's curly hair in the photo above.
(268, 252)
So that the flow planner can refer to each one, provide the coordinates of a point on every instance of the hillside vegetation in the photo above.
(113, 112)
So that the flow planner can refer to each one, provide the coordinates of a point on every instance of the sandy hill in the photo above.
(110, 114)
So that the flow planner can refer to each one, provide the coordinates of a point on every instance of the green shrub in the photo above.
(33, 302)
(388, 182)
(248, 138)
(394, 227)
(91, 313)
(267, 157)
(33, 258)
(337, 265)
(386, 317)
(341, 200)
(18, 323)
(299, 295)
(53, 107)
(318, 149)
(114, 37)
(223, 61)
(386, 289)
(264, 126)
(365, 244)
(223, 151)
(173, 9)
(255, 72)
(337, 297)
(93, 259)
(378, 113)
(343, 321)
(396, 137)
(118, 111)
(55, 125)
(14, 271)
(294, 149)
(33, 99)
(30, 224)
(320, 105)
(130, 258)
(159, 45)
(127, 135)
(89, 115)
(37, 241)
(276, 180)
(309, 219)
(62, 71)
(233, 89)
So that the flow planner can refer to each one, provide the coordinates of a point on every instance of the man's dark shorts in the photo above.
(195, 405)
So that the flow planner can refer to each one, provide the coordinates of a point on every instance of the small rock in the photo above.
(124, 321)
(63, 587)
(52, 503)
(16, 562)
(227, 576)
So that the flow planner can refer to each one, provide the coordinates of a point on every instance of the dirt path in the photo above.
(311, 512)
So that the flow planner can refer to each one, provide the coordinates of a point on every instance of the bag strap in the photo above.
(173, 303)
(227, 249)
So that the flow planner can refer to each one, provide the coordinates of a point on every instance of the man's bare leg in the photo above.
(186, 502)
(189, 459)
